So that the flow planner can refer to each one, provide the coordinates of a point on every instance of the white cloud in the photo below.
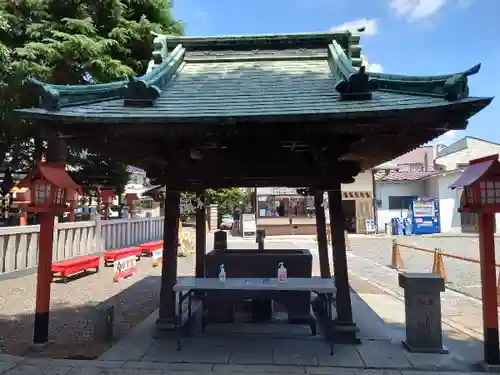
(369, 25)
(416, 10)
(375, 68)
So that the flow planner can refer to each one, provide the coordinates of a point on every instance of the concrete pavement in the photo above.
(20, 366)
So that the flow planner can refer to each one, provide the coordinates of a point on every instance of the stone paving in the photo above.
(290, 355)
(20, 366)
(73, 309)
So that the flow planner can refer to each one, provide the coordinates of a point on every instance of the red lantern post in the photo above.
(72, 199)
(107, 197)
(131, 198)
(21, 201)
(481, 196)
(50, 185)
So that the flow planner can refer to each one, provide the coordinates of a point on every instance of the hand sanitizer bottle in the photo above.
(222, 274)
(282, 276)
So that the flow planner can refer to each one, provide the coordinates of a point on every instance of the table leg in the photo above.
(329, 301)
(178, 321)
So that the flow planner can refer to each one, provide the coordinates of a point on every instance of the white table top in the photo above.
(314, 284)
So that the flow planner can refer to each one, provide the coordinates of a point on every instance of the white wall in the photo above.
(467, 149)
(362, 182)
(449, 201)
(384, 190)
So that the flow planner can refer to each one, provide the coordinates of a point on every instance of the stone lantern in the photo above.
(481, 196)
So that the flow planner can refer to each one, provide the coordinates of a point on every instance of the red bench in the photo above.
(70, 267)
(149, 247)
(112, 255)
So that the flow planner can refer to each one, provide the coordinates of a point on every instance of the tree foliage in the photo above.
(70, 42)
(94, 172)
(226, 198)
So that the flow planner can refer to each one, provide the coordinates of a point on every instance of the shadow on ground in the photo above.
(72, 329)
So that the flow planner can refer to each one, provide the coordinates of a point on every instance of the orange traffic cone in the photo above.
(438, 264)
(396, 258)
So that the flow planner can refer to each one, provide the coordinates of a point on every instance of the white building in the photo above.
(428, 172)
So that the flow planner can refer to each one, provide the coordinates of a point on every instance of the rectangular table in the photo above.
(186, 286)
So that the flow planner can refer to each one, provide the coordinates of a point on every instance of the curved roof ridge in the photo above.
(55, 97)
(143, 90)
(450, 86)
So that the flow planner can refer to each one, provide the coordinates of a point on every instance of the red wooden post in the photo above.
(481, 195)
(489, 287)
(131, 198)
(44, 278)
(50, 188)
(107, 196)
(23, 215)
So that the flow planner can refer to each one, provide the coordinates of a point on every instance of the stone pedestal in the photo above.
(423, 312)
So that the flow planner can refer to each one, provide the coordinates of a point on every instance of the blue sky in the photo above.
(418, 37)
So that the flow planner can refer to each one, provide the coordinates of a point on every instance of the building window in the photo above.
(285, 206)
(416, 167)
(401, 202)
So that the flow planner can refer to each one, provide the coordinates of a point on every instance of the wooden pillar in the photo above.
(166, 318)
(324, 263)
(57, 151)
(345, 329)
(44, 279)
(489, 288)
(201, 235)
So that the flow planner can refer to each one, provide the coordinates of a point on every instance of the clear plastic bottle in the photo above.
(222, 274)
(282, 273)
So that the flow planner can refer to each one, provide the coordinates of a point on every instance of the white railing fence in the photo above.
(19, 245)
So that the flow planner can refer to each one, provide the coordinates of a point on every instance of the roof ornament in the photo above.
(357, 87)
(456, 87)
(48, 98)
(139, 93)
(143, 91)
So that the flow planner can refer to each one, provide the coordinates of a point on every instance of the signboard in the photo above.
(284, 191)
(370, 226)
(124, 267)
(157, 256)
(249, 225)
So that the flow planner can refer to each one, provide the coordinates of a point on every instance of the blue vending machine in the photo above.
(424, 215)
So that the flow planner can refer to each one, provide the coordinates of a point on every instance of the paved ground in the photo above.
(32, 367)
(74, 304)
(73, 309)
(462, 276)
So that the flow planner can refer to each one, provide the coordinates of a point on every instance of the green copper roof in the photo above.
(257, 75)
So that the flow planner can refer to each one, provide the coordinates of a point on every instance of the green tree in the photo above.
(226, 199)
(66, 42)
(94, 171)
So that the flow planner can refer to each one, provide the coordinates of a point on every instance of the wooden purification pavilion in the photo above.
(293, 110)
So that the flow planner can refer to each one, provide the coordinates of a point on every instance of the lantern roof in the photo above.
(476, 170)
(55, 173)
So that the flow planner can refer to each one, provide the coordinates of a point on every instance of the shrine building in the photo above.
(294, 110)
